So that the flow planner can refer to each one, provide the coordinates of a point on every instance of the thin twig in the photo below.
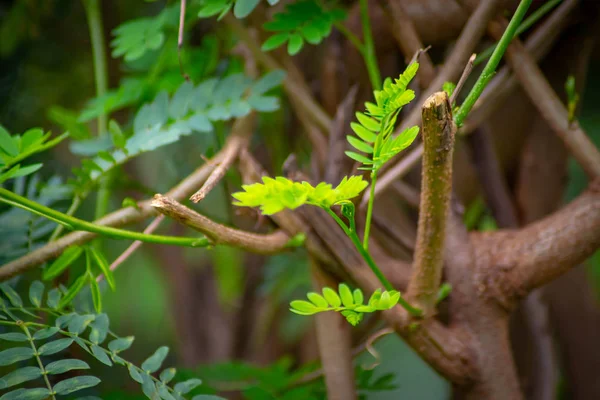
(120, 217)
(220, 234)
(438, 140)
(549, 105)
(405, 33)
(463, 78)
(230, 154)
(180, 39)
(133, 246)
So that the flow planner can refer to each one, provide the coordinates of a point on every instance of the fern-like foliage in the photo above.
(22, 231)
(34, 339)
(241, 8)
(274, 195)
(374, 128)
(136, 37)
(304, 20)
(349, 303)
(191, 109)
(16, 148)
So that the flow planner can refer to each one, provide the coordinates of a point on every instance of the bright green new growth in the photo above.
(572, 97)
(349, 304)
(274, 195)
(374, 128)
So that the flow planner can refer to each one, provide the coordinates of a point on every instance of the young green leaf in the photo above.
(73, 290)
(346, 295)
(332, 297)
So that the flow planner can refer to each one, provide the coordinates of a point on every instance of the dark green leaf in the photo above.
(120, 344)
(74, 384)
(14, 355)
(62, 366)
(36, 291)
(61, 263)
(55, 346)
(54, 296)
(99, 328)
(134, 373)
(207, 397)
(79, 323)
(11, 295)
(45, 333)
(242, 8)
(96, 295)
(153, 363)
(187, 386)
(104, 267)
(100, 355)
(14, 337)
(27, 394)
(148, 386)
(167, 374)
(73, 290)
(21, 375)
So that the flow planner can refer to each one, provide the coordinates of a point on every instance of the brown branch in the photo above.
(121, 217)
(495, 189)
(463, 78)
(549, 105)
(504, 83)
(293, 88)
(242, 129)
(453, 66)
(438, 139)
(334, 339)
(407, 38)
(520, 261)
(133, 246)
(220, 234)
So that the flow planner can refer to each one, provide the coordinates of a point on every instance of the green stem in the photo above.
(369, 47)
(490, 68)
(527, 23)
(77, 224)
(370, 210)
(352, 38)
(371, 263)
(72, 209)
(39, 361)
(94, 18)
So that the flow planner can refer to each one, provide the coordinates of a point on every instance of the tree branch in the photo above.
(550, 106)
(520, 261)
(220, 234)
(438, 141)
(407, 38)
(334, 339)
(243, 128)
(120, 217)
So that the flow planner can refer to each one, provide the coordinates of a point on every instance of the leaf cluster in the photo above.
(349, 303)
(89, 332)
(16, 148)
(95, 264)
(302, 21)
(136, 37)
(165, 120)
(22, 231)
(374, 128)
(274, 195)
(241, 8)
